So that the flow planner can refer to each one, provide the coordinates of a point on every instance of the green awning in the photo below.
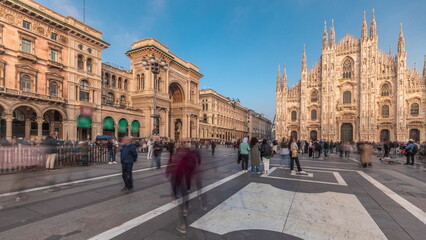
(84, 122)
(135, 127)
(108, 123)
(122, 126)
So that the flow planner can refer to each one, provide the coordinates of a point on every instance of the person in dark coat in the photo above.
(213, 147)
(129, 155)
(51, 145)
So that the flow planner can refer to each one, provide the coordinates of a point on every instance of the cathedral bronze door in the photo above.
(178, 129)
(384, 135)
(294, 135)
(346, 132)
(415, 135)
(314, 135)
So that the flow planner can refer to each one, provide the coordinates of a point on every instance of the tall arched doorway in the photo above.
(53, 123)
(415, 134)
(346, 132)
(293, 135)
(2, 123)
(108, 126)
(84, 127)
(314, 135)
(384, 135)
(176, 93)
(178, 129)
(24, 124)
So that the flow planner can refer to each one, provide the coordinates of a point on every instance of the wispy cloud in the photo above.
(68, 7)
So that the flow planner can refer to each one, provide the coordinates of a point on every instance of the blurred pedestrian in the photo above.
(51, 145)
(366, 152)
(244, 154)
(266, 154)
(129, 155)
(213, 147)
(150, 145)
(285, 154)
(111, 151)
(411, 149)
(84, 152)
(157, 149)
(255, 155)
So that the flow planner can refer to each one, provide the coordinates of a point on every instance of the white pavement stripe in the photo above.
(340, 179)
(354, 160)
(70, 183)
(114, 232)
(415, 211)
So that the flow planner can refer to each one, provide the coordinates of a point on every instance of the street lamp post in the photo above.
(156, 65)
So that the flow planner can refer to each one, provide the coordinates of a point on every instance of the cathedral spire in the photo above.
(304, 67)
(424, 67)
(390, 50)
(284, 81)
(415, 67)
(373, 30)
(279, 77)
(401, 40)
(325, 36)
(364, 28)
(332, 34)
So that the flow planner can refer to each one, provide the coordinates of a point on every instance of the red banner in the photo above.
(86, 111)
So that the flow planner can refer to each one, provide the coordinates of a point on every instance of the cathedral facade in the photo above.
(355, 92)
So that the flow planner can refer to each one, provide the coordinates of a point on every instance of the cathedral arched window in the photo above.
(293, 116)
(386, 90)
(314, 114)
(385, 111)
(110, 98)
(347, 69)
(106, 80)
(414, 109)
(314, 96)
(347, 97)
(25, 83)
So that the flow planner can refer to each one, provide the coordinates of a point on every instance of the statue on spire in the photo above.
(401, 40)
(332, 34)
(325, 36)
(364, 28)
(304, 67)
(373, 31)
(284, 79)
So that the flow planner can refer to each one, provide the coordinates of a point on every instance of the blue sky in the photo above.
(238, 43)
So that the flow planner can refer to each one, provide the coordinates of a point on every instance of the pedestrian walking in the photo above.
(129, 156)
(266, 154)
(244, 149)
(285, 154)
(157, 148)
(411, 149)
(213, 145)
(51, 145)
(150, 145)
(255, 155)
(111, 151)
(366, 151)
(84, 152)
(294, 157)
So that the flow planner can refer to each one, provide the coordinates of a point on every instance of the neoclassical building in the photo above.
(227, 120)
(355, 92)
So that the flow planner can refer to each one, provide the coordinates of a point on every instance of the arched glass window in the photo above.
(120, 83)
(80, 64)
(113, 79)
(386, 90)
(138, 80)
(53, 89)
(293, 116)
(110, 98)
(84, 91)
(314, 96)
(125, 84)
(414, 109)
(89, 65)
(385, 111)
(25, 83)
(314, 114)
(123, 101)
(347, 68)
(205, 120)
(106, 81)
(347, 97)
(113, 82)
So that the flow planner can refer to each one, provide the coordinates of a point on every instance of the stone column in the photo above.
(116, 130)
(129, 128)
(27, 128)
(96, 130)
(40, 127)
(9, 119)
